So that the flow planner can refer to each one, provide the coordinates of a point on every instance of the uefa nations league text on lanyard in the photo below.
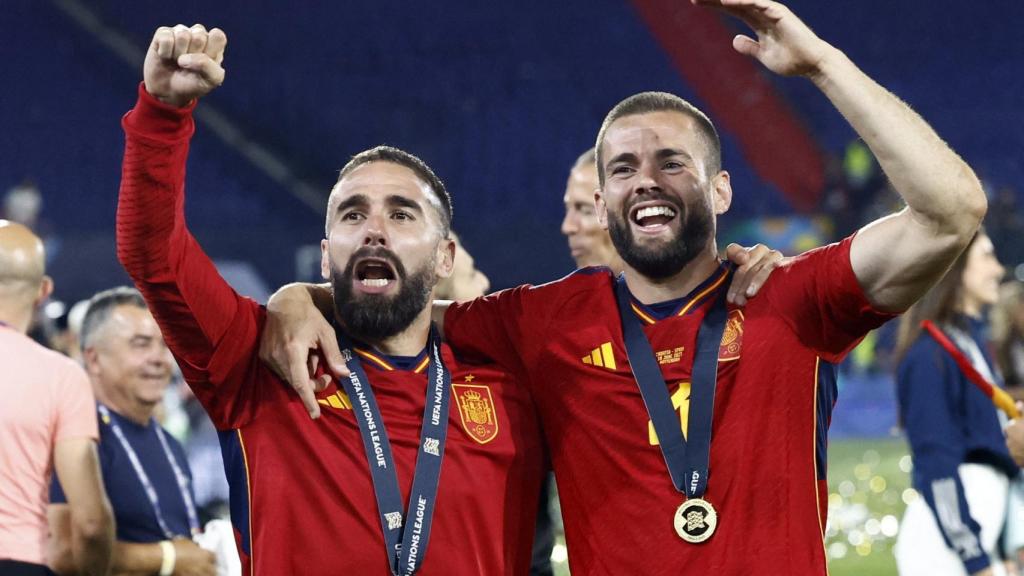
(686, 458)
(405, 548)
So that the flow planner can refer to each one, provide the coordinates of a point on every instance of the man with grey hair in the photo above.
(145, 470)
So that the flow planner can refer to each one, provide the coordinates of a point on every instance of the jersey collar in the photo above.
(650, 314)
(381, 361)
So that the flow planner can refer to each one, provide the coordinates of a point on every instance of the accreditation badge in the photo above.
(695, 520)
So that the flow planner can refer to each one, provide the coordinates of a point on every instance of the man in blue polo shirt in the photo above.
(145, 470)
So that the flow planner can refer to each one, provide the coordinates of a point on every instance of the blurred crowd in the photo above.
(857, 193)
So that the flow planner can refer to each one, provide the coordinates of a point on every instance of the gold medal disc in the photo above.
(695, 520)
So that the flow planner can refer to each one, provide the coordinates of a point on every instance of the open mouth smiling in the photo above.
(651, 215)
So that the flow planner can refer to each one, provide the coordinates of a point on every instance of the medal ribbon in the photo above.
(405, 547)
(179, 476)
(687, 460)
(999, 397)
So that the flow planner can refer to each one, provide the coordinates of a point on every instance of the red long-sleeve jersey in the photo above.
(775, 391)
(302, 499)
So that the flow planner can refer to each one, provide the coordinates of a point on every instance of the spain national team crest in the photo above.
(732, 338)
(476, 409)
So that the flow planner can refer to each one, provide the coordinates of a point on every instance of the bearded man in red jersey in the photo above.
(384, 431)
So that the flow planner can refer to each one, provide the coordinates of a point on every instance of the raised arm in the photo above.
(897, 258)
(207, 326)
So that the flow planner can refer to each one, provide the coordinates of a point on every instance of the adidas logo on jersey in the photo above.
(337, 400)
(601, 356)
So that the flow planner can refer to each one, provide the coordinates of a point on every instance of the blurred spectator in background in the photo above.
(1008, 336)
(837, 200)
(589, 242)
(145, 469)
(46, 416)
(24, 204)
(67, 328)
(961, 464)
(466, 281)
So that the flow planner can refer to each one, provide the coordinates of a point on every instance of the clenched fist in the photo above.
(184, 63)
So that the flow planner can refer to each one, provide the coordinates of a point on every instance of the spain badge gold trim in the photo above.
(477, 411)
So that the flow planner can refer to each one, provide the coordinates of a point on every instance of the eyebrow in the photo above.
(660, 155)
(623, 157)
(393, 200)
(669, 152)
(402, 201)
(351, 201)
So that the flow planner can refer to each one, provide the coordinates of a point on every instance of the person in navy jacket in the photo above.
(962, 467)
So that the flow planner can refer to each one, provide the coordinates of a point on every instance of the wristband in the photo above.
(170, 557)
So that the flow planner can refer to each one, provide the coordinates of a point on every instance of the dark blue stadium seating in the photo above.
(498, 97)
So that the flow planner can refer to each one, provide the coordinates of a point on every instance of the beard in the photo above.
(375, 317)
(666, 259)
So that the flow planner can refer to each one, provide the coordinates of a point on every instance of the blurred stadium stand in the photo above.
(498, 97)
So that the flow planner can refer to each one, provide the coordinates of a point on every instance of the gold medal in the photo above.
(695, 520)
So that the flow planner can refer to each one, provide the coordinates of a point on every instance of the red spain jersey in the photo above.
(775, 391)
(302, 499)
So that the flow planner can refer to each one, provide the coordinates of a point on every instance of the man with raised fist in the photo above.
(328, 495)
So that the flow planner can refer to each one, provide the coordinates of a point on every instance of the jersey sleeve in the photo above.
(821, 299)
(210, 329)
(503, 328)
(928, 397)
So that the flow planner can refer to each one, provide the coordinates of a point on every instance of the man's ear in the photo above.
(721, 189)
(601, 207)
(45, 289)
(325, 259)
(445, 258)
(90, 360)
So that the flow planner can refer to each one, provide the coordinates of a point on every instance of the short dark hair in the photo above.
(412, 162)
(102, 305)
(647, 102)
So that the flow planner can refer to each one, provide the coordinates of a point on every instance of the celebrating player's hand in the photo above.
(754, 266)
(785, 45)
(294, 333)
(184, 63)
(191, 560)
